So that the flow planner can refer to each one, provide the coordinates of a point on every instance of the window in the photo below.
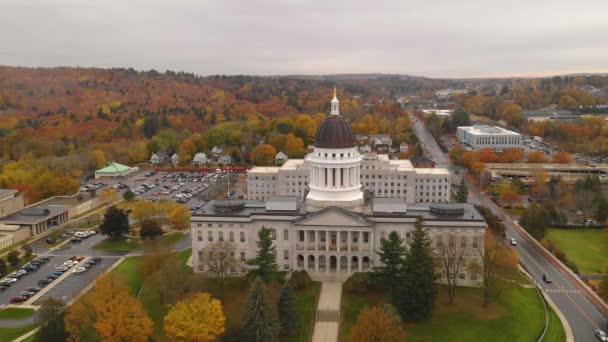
(242, 234)
(451, 241)
(200, 255)
(209, 225)
(301, 235)
(200, 235)
(285, 235)
(461, 276)
(231, 236)
(221, 225)
(475, 242)
(210, 235)
(382, 236)
(365, 237)
(242, 256)
(286, 255)
(273, 233)
(286, 267)
(463, 242)
(221, 236)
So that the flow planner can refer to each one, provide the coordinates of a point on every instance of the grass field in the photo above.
(16, 313)
(555, 330)
(587, 248)
(517, 315)
(130, 243)
(9, 334)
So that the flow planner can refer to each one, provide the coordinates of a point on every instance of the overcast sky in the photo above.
(436, 38)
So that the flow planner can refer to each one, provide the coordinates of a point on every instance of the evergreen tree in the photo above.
(115, 222)
(260, 318)
(415, 296)
(392, 253)
(287, 309)
(3, 267)
(265, 259)
(463, 192)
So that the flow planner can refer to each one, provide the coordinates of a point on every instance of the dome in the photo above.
(335, 132)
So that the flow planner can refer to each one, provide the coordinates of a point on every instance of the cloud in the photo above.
(433, 38)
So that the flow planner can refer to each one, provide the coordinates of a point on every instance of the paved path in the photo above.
(327, 320)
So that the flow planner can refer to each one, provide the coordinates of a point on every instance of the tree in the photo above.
(263, 154)
(13, 258)
(108, 195)
(460, 117)
(143, 209)
(27, 251)
(392, 254)
(115, 222)
(512, 155)
(219, 259)
(265, 259)
(496, 258)
(415, 296)
(3, 267)
(128, 195)
(463, 192)
(602, 211)
(180, 217)
(109, 312)
(171, 279)
(186, 150)
(450, 257)
(377, 324)
(507, 195)
(536, 157)
(562, 158)
(535, 220)
(197, 320)
(260, 318)
(150, 229)
(52, 321)
(287, 310)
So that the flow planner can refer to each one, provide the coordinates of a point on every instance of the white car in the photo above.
(513, 242)
(601, 335)
(10, 280)
(79, 270)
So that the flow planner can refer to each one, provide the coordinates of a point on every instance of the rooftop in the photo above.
(114, 168)
(34, 215)
(485, 129)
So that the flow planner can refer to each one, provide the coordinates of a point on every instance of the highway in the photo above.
(584, 317)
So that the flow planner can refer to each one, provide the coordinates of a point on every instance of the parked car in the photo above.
(96, 259)
(44, 282)
(34, 289)
(3, 287)
(75, 240)
(547, 279)
(18, 299)
(601, 335)
(27, 294)
(80, 269)
(513, 242)
(53, 276)
(50, 240)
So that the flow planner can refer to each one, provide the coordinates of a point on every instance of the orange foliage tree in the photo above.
(561, 158)
(377, 324)
(536, 157)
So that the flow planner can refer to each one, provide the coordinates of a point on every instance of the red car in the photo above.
(18, 299)
(76, 258)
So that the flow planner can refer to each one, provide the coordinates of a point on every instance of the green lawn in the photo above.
(9, 334)
(587, 248)
(555, 330)
(16, 313)
(132, 243)
(517, 315)
(306, 304)
(128, 271)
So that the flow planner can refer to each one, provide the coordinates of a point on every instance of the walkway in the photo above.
(327, 321)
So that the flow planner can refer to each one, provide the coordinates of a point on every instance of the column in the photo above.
(306, 240)
(327, 241)
(305, 261)
(348, 264)
(348, 242)
(360, 240)
(347, 176)
(339, 237)
(316, 240)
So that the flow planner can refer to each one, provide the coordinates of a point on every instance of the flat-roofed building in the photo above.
(482, 136)
(11, 201)
(38, 219)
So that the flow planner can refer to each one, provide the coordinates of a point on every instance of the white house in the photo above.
(174, 159)
(224, 159)
(403, 148)
(199, 159)
(365, 149)
(216, 150)
(158, 158)
(280, 158)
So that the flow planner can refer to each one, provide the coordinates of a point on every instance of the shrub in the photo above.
(548, 244)
(572, 266)
(300, 280)
(13, 258)
(27, 251)
(357, 283)
(561, 255)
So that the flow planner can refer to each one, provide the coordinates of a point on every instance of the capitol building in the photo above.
(330, 211)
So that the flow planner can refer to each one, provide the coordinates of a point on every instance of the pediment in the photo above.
(334, 217)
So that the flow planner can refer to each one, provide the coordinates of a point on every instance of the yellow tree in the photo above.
(507, 195)
(294, 146)
(537, 157)
(111, 312)
(186, 150)
(108, 195)
(143, 209)
(377, 324)
(198, 320)
(100, 159)
(180, 217)
(263, 154)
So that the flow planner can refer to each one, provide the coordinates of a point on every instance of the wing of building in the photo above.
(330, 211)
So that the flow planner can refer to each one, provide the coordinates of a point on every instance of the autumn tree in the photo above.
(110, 313)
(536, 157)
(143, 209)
(150, 229)
(169, 278)
(220, 259)
(115, 222)
(108, 195)
(377, 324)
(392, 255)
(186, 150)
(512, 155)
(13, 258)
(287, 310)
(260, 318)
(496, 259)
(52, 321)
(507, 195)
(415, 296)
(535, 220)
(487, 155)
(195, 320)
(561, 158)
(263, 154)
(449, 259)
(3, 267)
(180, 217)
(265, 260)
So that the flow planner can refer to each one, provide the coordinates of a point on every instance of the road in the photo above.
(584, 317)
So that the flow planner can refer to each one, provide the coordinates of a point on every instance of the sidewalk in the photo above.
(327, 321)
